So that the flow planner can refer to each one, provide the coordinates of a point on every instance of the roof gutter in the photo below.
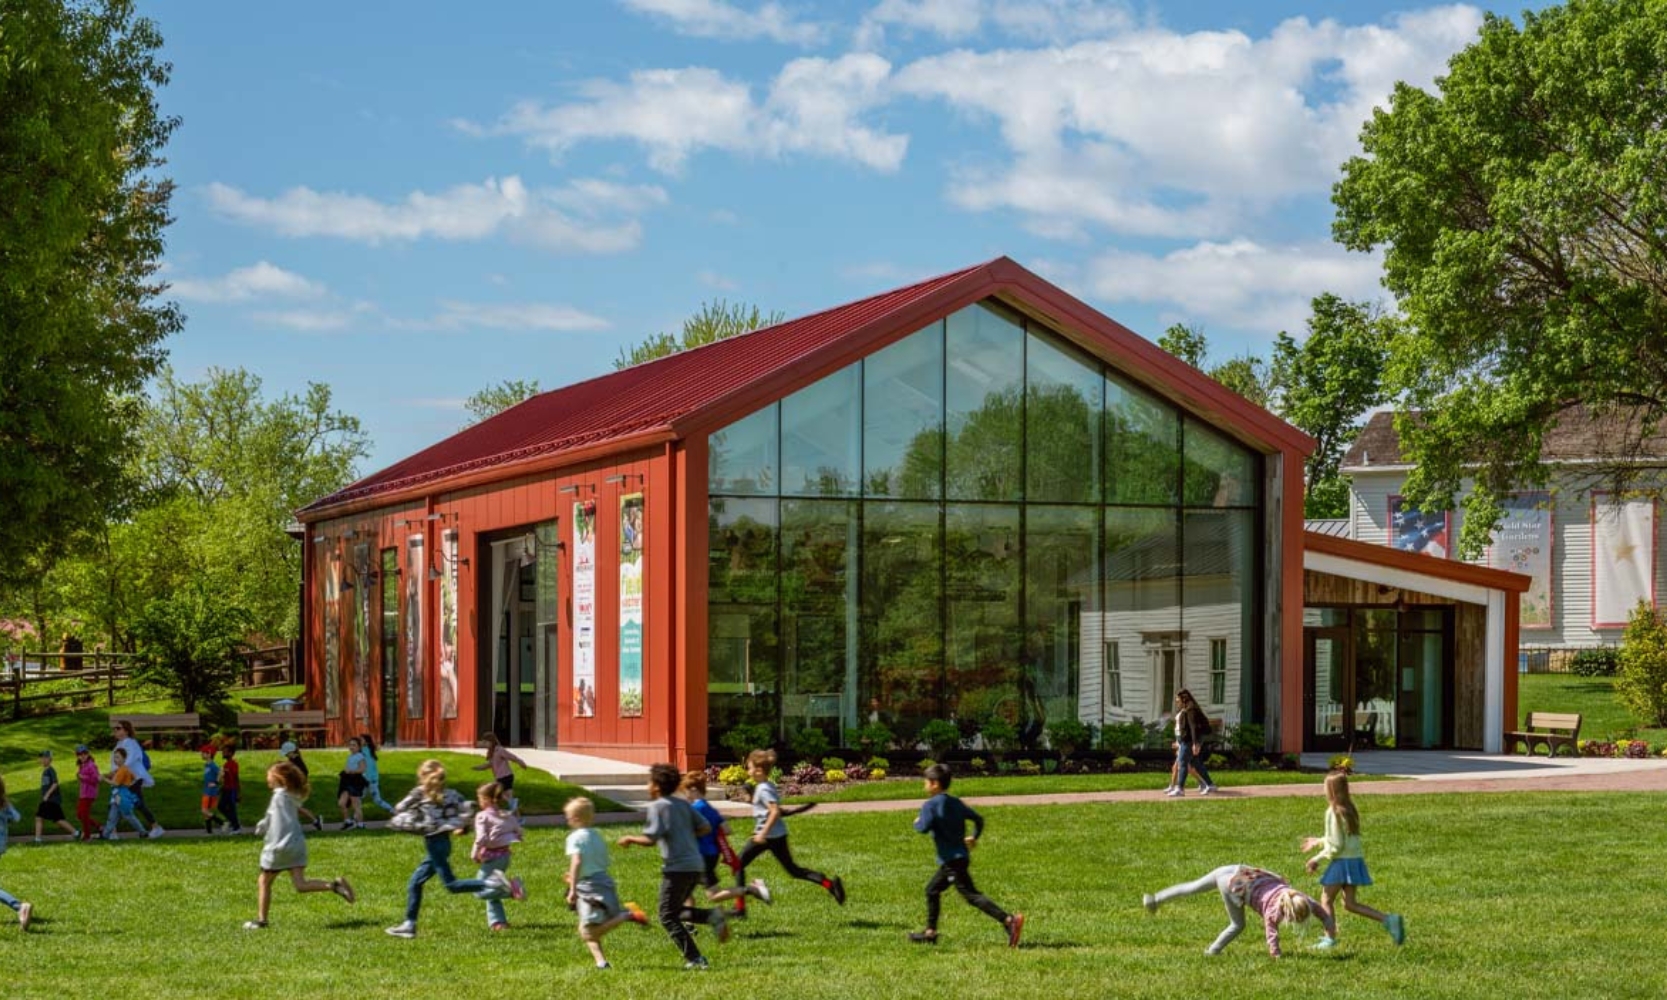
(487, 474)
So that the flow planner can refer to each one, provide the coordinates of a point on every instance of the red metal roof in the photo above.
(709, 386)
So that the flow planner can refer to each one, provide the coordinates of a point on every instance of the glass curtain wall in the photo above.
(979, 522)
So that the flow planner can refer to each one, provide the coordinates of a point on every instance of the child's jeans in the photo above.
(228, 807)
(438, 862)
(8, 900)
(121, 807)
(494, 897)
(675, 888)
(374, 793)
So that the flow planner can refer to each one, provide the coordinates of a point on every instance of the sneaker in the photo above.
(923, 937)
(156, 831)
(1207, 789)
(517, 889)
(1397, 928)
(636, 914)
(254, 925)
(318, 824)
(343, 888)
(1168, 788)
(500, 926)
(1176, 793)
(837, 887)
(1325, 943)
(720, 925)
(603, 965)
(1150, 902)
(697, 965)
(406, 929)
(758, 889)
(25, 912)
(1015, 927)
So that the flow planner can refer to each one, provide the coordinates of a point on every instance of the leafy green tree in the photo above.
(1247, 376)
(495, 399)
(1522, 213)
(82, 210)
(1186, 342)
(714, 321)
(1641, 679)
(189, 643)
(1326, 384)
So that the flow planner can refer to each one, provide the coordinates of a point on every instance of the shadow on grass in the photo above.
(351, 923)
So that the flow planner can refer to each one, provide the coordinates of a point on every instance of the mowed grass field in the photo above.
(1510, 895)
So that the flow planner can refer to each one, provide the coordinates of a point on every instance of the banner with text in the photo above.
(584, 609)
(1522, 544)
(630, 605)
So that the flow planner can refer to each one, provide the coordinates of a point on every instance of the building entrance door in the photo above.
(1328, 688)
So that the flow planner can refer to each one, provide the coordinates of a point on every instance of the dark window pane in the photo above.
(819, 545)
(821, 435)
(1219, 472)
(1062, 603)
(983, 411)
(902, 614)
(1143, 608)
(741, 621)
(985, 676)
(742, 457)
(1143, 458)
(902, 422)
(1062, 423)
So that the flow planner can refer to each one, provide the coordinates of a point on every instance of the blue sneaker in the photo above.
(1397, 928)
(1326, 943)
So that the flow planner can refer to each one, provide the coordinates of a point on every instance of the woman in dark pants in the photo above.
(1192, 728)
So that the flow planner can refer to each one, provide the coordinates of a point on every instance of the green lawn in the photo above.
(1479, 912)
(1602, 717)
(1053, 784)
(175, 799)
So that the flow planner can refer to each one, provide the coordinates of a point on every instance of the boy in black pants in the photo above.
(945, 817)
(674, 826)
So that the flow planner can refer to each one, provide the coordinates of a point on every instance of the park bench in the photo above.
(1553, 729)
(180, 724)
(296, 724)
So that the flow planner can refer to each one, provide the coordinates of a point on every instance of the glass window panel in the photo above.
(983, 406)
(902, 616)
(986, 675)
(1062, 422)
(1219, 609)
(1143, 456)
(1219, 472)
(821, 436)
(902, 422)
(742, 651)
(1062, 601)
(742, 457)
(1143, 607)
(819, 545)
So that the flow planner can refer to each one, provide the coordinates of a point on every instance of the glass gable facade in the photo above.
(979, 521)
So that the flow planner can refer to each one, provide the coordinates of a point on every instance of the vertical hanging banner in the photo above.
(1522, 544)
(362, 593)
(416, 580)
(1413, 530)
(584, 609)
(332, 637)
(630, 605)
(448, 625)
(1623, 558)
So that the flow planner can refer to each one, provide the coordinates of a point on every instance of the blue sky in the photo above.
(412, 201)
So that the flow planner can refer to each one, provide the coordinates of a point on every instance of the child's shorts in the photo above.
(52, 812)
(210, 803)
(598, 899)
(1346, 871)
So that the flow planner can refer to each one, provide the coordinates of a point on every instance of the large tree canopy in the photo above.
(82, 211)
(1522, 213)
(712, 322)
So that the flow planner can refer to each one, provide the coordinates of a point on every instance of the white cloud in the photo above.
(592, 222)
(718, 19)
(512, 316)
(1150, 131)
(306, 320)
(1240, 283)
(261, 280)
(814, 106)
(958, 20)
(712, 279)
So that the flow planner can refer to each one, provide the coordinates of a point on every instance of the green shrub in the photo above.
(834, 776)
(925, 763)
(1247, 739)
(869, 738)
(1028, 767)
(1123, 764)
(978, 765)
(1121, 737)
(1601, 661)
(833, 764)
(747, 737)
(1067, 736)
(1216, 762)
(808, 743)
(1050, 765)
(998, 734)
(1641, 679)
(876, 774)
(734, 774)
(879, 763)
(940, 736)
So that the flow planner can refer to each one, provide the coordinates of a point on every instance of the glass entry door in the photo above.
(1328, 688)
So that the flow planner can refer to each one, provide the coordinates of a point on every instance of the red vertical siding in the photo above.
(690, 585)
(1290, 634)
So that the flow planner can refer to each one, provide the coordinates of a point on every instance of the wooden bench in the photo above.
(180, 724)
(1554, 729)
(296, 724)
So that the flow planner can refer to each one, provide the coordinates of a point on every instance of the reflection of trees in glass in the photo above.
(1376, 648)
(982, 640)
(815, 567)
(1219, 473)
(741, 626)
(1143, 451)
(901, 608)
(1062, 430)
(1061, 588)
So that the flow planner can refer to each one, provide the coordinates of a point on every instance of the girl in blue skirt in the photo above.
(1344, 860)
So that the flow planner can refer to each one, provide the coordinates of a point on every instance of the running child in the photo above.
(87, 776)
(292, 753)
(714, 845)
(211, 787)
(8, 816)
(285, 847)
(351, 785)
(769, 831)
(498, 759)
(123, 797)
(1263, 891)
(590, 889)
(50, 809)
(495, 829)
(945, 817)
(231, 790)
(437, 813)
(373, 774)
(673, 825)
(1345, 861)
